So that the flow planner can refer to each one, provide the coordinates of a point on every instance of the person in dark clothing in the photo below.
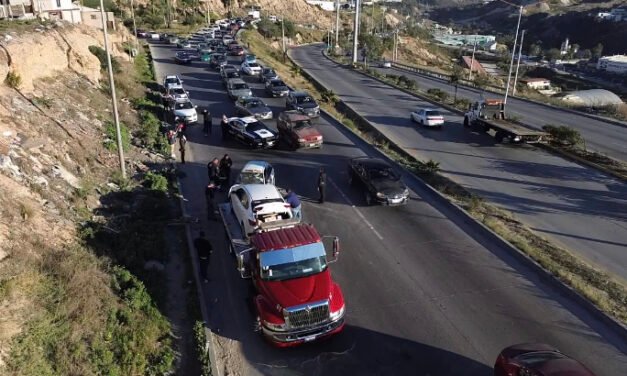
(223, 125)
(292, 199)
(213, 171)
(210, 194)
(322, 184)
(225, 169)
(204, 250)
(182, 145)
(207, 122)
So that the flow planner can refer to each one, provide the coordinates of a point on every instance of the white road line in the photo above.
(359, 213)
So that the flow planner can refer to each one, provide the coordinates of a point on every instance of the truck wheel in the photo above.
(466, 122)
(499, 136)
(485, 128)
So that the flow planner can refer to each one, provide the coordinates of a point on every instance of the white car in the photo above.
(186, 111)
(256, 172)
(256, 204)
(178, 94)
(385, 64)
(429, 117)
(251, 69)
(170, 82)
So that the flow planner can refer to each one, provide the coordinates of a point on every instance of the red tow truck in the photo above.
(296, 300)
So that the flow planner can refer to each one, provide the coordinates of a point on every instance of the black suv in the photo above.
(302, 102)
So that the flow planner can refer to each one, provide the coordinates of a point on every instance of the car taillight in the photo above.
(318, 138)
(301, 140)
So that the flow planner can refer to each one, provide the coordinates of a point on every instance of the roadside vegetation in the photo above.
(609, 294)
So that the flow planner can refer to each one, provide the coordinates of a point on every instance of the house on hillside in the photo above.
(93, 18)
(537, 83)
(64, 10)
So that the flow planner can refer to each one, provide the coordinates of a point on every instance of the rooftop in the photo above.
(286, 238)
(616, 58)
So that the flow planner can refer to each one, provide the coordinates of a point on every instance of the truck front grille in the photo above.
(307, 315)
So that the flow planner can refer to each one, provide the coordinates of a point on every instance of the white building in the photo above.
(47, 9)
(537, 83)
(615, 64)
(325, 5)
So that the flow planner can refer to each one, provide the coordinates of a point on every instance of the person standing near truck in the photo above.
(225, 169)
(295, 205)
(204, 250)
(182, 146)
(322, 184)
(207, 122)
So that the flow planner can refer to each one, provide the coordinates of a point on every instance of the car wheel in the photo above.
(499, 136)
(351, 178)
(368, 197)
(466, 122)
(422, 123)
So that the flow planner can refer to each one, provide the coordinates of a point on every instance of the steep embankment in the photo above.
(63, 309)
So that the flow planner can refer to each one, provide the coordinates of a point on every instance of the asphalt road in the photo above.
(425, 296)
(602, 136)
(577, 207)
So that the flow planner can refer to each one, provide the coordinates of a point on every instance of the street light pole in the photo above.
(522, 37)
(134, 26)
(116, 117)
(283, 35)
(472, 60)
(511, 64)
(337, 24)
(356, 32)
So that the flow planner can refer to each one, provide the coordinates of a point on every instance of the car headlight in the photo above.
(380, 195)
(406, 192)
(337, 314)
(299, 108)
(318, 138)
(301, 140)
(275, 327)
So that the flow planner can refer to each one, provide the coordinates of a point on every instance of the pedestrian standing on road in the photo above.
(292, 199)
(182, 145)
(181, 127)
(206, 117)
(210, 195)
(225, 169)
(171, 136)
(322, 184)
(213, 171)
(204, 250)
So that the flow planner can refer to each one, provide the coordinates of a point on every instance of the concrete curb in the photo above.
(553, 150)
(568, 110)
(196, 268)
(482, 229)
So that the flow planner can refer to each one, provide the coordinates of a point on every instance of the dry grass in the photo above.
(609, 294)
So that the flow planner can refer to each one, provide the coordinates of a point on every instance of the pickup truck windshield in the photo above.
(292, 263)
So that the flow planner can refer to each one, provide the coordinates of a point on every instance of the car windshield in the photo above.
(269, 72)
(293, 263)
(177, 91)
(304, 99)
(302, 125)
(232, 74)
(240, 86)
(220, 57)
(255, 103)
(251, 177)
(253, 65)
(379, 173)
(532, 358)
(171, 80)
(278, 83)
(184, 105)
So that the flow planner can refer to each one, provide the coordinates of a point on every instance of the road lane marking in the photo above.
(359, 213)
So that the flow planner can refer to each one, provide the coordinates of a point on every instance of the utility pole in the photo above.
(283, 37)
(116, 117)
(337, 24)
(522, 37)
(511, 64)
(472, 60)
(134, 26)
(356, 31)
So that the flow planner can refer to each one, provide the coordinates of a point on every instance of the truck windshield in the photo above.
(293, 263)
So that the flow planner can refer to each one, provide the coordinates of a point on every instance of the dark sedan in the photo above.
(268, 74)
(249, 131)
(183, 58)
(537, 359)
(217, 61)
(378, 180)
(252, 106)
(277, 88)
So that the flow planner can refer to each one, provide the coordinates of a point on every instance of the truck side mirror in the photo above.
(242, 265)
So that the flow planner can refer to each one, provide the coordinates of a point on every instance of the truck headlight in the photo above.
(380, 195)
(337, 314)
(406, 192)
(275, 327)
(300, 108)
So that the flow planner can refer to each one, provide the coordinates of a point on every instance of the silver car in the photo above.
(252, 106)
(236, 87)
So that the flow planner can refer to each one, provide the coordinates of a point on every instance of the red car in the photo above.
(537, 359)
(236, 50)
(297, 130)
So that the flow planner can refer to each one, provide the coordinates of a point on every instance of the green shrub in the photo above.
(111, 138)
(156, 182)
(563, 135)
(150, 133)
(462, 103)
(101, 54)
(438, 94)
(201, 349)
(13, 80)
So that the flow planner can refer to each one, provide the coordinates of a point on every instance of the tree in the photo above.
(455, 77)
(586, 54)
(553, 54)
(481, 81)
(535, 50)
(597, 51)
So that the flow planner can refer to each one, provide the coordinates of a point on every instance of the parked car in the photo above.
(205, 55)
(428, 117)
(254, 204)
(276, 88)
(251, 69)
(297, 130)
(252, 106)
(186, 111)
(236, 51)
(178, 93)
(302, 102)
(256, 172)
(172, 81)
(249, 131)
(378, 180)
(183, 43)
(142, 33)
(385, 64)
(201, 46)
(228, 74)
(249, 58)
(217, 60)
(173, 39)
(267, 74)
(236, 87)
(537, 359)
(182, 57)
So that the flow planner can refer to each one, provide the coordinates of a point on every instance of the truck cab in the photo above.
(486, 109)
(296, 299)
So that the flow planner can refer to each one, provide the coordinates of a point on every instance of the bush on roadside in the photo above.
(564, 136)
(156, 182)
(110, 141)
(438, 94)
(101, 54)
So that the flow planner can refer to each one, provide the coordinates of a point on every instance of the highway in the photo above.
(601, 136)
(577, 207)
(425, 296)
